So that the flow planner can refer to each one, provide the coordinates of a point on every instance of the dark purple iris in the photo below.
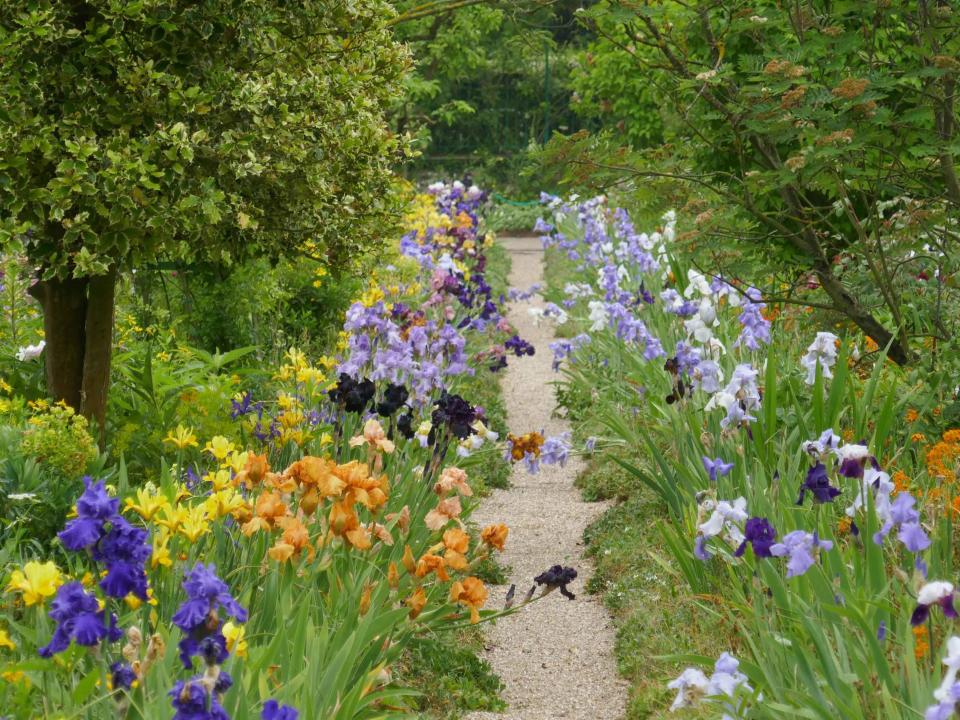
(111, 540)
(519, 347)
(818, 484)
(191, 702)
(241, 407)
(122, 675)
(558, 576)
(455, 413)
(761, 536)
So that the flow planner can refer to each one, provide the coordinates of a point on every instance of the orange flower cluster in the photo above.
(921, 645)
(528, 443)
(288, 501)
(942, 457)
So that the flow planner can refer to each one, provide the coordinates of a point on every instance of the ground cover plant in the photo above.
(303, 554)
(806, 484)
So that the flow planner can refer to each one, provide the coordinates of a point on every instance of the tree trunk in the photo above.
(78, 329)
(98, 346)
(64, 304)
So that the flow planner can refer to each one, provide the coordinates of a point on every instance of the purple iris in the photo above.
(716, 467)
(191, 702)
(94, 509)
(197, 617)
(111, 540)
(817, 483)
(911, 534)
(122, 675)
(272, 710)
(761, 536)
(79, 618)
(241, 407)
(799, 546)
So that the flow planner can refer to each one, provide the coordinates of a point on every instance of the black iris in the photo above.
(393, 399)
(558, 577)
(354, 395)
(405, 425)
(456, 413)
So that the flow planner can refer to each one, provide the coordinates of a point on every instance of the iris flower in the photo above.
(472, 593)
(817, 483)
(933, 593)
(716, 467)
(495, 536)
(36, 582)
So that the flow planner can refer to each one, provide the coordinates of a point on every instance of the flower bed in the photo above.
(800, 507)
(285, 566)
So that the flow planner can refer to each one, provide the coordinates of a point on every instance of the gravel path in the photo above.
(554, 656)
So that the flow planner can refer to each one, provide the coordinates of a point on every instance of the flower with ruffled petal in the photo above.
(933, 593)
(495, 536)
(35, 582)
(472, 593)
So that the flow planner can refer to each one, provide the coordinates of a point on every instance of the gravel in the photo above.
(555, 656)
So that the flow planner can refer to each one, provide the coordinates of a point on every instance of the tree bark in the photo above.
(78, 329)
(64, 304)
(98, 347)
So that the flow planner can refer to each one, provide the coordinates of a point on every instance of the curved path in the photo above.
(554, 656)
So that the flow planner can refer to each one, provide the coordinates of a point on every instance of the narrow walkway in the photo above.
(554, 656)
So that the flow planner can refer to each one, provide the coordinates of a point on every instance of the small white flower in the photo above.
(31, 352)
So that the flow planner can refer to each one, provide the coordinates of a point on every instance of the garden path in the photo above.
(554, 656)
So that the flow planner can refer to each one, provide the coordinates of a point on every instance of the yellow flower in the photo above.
(225, 502)
(219, 447)
(173, 517)
(221, 479)
(235, 636)
(236, 461)
(134, 602)
(196, 524)
(5, 640)
(147, 503)
(36, 581)
(5, 386)
(182, 438)
(161, 550)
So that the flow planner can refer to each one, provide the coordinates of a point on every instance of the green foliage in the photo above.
(58, 438)
(133, 131)
(490, 80)
(819, 148)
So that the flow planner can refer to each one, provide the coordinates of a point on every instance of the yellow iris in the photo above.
(219, 447)
(161, 550)
(235, 635)
(36, 582)
(181, 438)
(147, 503)
(196, 524)
(5, 640)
